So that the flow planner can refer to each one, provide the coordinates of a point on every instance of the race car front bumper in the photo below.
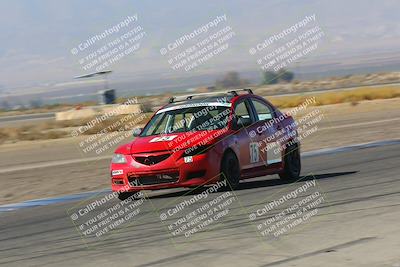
(175, 171)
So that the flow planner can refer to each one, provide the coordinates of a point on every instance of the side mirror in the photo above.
(136, 132)
(240, 122)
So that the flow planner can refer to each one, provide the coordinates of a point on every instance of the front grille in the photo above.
(154, 179)
(151, 160)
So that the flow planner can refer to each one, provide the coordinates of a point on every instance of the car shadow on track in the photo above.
(245, 185)
(274, 182)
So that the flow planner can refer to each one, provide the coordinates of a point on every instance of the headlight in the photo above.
(118, 159)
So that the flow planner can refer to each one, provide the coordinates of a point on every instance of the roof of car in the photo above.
(212, 96)
(211, 99)
(192, 103)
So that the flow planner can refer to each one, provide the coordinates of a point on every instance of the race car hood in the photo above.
(175, 141)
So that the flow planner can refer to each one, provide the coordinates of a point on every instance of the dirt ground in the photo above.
(39, 169)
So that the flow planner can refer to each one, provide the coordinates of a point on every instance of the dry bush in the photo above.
(29, 132)
(9, 133)
(50, 125)
(55, 134)
(352, 96)
(3, 136)
(33, 134)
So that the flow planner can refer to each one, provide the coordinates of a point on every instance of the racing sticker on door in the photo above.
(274, 153)
(163, 138)
(254, 152)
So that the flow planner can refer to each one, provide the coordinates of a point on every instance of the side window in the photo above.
(178, 123)
(241, 110)
(156, 125)
(263, 111)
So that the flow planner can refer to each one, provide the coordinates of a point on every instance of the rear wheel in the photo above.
(292, 162)
(230, 171)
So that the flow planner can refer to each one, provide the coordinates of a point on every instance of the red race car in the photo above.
(205, 139)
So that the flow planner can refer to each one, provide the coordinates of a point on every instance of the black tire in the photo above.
(125, 195)
(292, 161)
(230, 171)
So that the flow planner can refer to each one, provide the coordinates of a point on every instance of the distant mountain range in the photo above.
(38, 37)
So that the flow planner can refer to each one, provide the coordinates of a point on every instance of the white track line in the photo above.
(52, 164)
(358, 124)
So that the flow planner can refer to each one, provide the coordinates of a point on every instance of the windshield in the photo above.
(187, 119)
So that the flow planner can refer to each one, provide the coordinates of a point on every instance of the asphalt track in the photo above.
(357, 224)
(8, 120)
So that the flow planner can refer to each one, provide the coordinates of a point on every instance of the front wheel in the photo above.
(230, 171)
(292, 164)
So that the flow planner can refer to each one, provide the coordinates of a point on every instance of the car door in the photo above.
(268, 133)
(248, 149)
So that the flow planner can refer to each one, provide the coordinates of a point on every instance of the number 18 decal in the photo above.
(254, 152)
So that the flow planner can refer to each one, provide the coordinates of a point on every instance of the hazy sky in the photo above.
(38, 35)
